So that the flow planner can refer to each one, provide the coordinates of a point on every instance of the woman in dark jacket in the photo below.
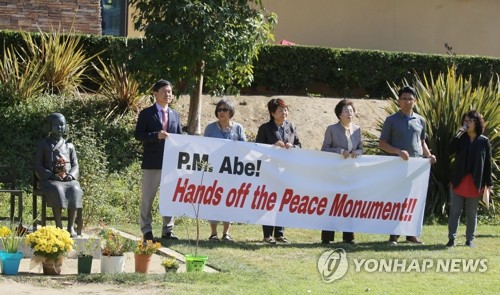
(470, 176)
(281, 133)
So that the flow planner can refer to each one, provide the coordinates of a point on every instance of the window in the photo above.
(114, 17)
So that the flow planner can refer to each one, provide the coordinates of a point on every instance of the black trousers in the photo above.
(268, 230)
(327, 235)
(396, 237)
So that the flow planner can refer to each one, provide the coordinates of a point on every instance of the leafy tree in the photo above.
(212, 39)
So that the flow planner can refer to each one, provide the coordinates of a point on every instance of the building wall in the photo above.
(471, 27)
(29, 15)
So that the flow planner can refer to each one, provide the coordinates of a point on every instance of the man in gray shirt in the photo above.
(403, 135)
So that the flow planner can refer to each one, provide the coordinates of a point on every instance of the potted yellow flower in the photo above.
(142, 253)
(170, 264)
(10, 256)
(50, 245)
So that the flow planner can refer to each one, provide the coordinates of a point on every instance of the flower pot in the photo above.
(52, 267)
(142, 262)
(112, 264)
(84, 264)
(10, 262)
(171, 269)
(195, 263)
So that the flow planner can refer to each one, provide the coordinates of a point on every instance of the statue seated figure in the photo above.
(56, 168)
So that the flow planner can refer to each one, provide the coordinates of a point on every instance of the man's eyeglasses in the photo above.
(222, 110)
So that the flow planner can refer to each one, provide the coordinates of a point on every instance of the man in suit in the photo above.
(154, 125)
(281, 133)
(403, 134)
(343, 138)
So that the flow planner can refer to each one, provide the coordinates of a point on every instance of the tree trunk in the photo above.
(194, 117)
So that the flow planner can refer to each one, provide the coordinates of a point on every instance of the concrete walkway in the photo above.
(69, 266)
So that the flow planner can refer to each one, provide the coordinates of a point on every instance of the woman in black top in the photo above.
(470, 176)
(279, 132)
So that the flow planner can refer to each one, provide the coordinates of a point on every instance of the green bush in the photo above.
(107, 152)
(295, 70)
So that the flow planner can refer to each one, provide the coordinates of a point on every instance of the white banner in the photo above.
(262, 184)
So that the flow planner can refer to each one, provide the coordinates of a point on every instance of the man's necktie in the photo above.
(164, 120)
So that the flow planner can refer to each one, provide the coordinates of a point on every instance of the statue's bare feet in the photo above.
(72, 232)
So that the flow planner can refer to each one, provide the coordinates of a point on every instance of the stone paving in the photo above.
(69, 266)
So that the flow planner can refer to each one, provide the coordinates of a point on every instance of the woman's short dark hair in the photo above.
(407, 89)
(273, 105)
(478, 120)
(228, 103)
(341, 105)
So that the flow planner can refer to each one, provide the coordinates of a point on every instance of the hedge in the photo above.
(302, 70)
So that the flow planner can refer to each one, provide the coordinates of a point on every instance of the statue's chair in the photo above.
(8, 187)
(43, 207)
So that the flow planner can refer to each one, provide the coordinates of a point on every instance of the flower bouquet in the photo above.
(10, 257)
(50, 245)
(11, 238)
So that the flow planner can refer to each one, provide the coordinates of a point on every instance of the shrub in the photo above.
(442, 101)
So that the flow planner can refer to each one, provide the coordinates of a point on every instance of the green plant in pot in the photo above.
(170, 264)
(85, 249)
(113, 248)
(196, 263)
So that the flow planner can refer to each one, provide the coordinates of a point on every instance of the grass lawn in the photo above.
(248, 266)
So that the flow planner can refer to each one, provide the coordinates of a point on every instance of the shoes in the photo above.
(269, 240)
(214, 238)
(148, 237)
(393, 240)
(470, 244)
(282, 240)
(414, 240)
(227, 238)
(451, 243)
(169, 236)
(325, 242)
(352, 242)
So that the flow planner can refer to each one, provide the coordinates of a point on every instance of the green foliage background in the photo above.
(110, 157)
(107, 152)
(293, 70)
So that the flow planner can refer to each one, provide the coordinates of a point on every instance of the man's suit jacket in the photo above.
(335, 140)
(146, 130)
(269, 133)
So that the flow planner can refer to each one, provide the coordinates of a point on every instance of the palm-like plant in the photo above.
(56, 63)
(442, 100)
(119, 86)
(20, 77)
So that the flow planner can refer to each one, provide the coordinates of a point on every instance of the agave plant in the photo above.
(442, 100)
(63, 58)
(20, 76)
(119, 86)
